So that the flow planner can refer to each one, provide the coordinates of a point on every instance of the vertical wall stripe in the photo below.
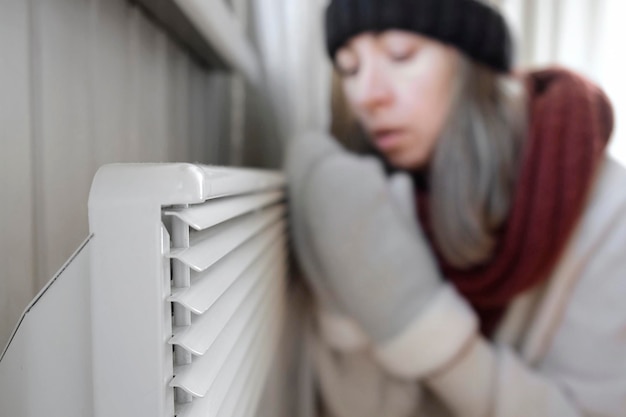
(16, 208)
(87, 82)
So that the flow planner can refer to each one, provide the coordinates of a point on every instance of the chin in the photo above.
(406, 162)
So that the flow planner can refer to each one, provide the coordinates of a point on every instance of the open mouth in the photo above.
(386, 139)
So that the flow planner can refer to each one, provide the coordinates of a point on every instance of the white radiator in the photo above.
(173, 307)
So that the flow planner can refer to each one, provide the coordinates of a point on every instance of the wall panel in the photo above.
(17, 268)
(63, 135)
(85, 83)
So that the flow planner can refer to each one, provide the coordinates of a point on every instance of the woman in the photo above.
(486, 275)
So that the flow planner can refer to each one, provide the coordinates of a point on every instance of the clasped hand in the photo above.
(359, 250)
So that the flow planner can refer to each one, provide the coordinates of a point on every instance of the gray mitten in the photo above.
(339, 330)
(353, 239)
(365, 250)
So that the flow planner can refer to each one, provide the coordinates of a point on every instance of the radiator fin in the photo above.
(209, 246)
(235, 254)
(203, 216)
(231, 308)
(234, 346)
(242, 379)
(208, 286)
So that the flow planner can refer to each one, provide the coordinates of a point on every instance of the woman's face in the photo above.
(399, 85)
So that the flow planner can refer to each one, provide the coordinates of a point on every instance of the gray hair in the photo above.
(475, 164)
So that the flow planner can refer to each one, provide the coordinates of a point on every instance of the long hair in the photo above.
(475, 164)
(473, 171)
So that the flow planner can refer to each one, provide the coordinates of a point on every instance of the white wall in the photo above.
(84, 83)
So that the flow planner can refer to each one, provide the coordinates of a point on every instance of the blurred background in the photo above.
(89, 82)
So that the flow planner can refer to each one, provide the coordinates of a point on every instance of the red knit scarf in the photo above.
(570, 123)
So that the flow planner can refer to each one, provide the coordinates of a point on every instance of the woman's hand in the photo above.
(360, 246)
(339, 330)
(354, 242)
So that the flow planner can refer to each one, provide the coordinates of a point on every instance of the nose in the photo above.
(373, 88)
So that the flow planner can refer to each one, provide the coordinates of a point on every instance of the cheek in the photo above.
(424, 92)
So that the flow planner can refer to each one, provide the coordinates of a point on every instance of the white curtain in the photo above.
(584, 35)
(296, 80)
(296, 71)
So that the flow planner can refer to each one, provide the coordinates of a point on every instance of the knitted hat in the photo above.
(472, 26)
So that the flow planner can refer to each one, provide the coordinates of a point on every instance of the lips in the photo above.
(387, 138)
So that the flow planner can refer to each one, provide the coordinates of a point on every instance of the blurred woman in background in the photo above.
(474, 263)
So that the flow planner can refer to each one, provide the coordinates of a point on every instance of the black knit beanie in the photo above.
(472, 26)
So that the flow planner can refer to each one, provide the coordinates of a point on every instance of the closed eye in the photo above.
(402, 56)
(347, 71)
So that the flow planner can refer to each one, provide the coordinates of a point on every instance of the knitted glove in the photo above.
(360, 249)
(339, 330)
(358, 244)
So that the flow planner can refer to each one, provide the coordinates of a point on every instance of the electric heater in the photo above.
(172, 307)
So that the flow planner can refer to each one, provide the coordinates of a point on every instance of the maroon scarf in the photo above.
(570, 123)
